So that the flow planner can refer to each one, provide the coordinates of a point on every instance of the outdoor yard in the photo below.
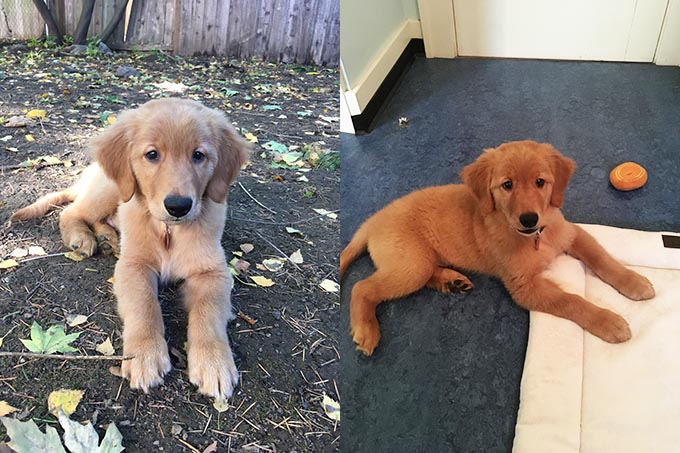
(285, 335)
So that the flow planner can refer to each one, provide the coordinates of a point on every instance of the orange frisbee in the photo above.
(628, 176)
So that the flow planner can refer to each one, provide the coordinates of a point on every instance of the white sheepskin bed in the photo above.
(580, 394)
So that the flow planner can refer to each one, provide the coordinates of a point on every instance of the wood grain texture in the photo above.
(289, 31)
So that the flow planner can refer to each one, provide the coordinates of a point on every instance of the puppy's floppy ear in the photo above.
(477, 176)
(111, 149)
(562, 169)
(232, 152)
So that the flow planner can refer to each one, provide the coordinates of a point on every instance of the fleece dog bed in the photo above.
(580, 394)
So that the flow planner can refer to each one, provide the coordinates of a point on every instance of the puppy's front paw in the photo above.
(149, 364)
(212, 369)
(82, 242)
(108, 245)
(611, 327)
(637, 287)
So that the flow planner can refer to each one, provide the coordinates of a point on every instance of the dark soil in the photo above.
(288, 359)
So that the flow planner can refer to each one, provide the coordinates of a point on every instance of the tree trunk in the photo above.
(106, 34)
(80, 36)
(49, 21)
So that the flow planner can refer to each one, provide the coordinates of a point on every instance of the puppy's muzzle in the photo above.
(529, 220)
(176, 206)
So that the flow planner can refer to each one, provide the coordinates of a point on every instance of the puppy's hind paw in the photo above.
(366, 336)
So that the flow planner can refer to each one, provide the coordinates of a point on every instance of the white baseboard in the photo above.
(357, 97)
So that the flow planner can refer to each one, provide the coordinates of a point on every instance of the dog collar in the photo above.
(537, 237)
(166, 236)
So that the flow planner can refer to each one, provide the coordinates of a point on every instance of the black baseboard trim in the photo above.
(364, 123)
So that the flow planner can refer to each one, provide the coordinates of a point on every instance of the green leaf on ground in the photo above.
(27, 438)
(276, 147)
(50, 341)
(113, 440)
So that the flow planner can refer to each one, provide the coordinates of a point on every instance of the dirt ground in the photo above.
(288, 358)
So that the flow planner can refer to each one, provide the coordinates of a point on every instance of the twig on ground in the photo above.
(188, 445)
(36, 355)
(283, 255)
(39, 257)
(255, 199)
(292, 222)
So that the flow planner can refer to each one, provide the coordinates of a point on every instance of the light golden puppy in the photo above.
(504, 221)
(164, 171)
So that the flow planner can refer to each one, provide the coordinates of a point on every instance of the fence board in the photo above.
(19, 19)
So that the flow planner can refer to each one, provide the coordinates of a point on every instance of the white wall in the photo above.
(410, 9)
(365, 29)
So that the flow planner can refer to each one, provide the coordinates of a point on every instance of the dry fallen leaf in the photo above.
(221, 405)
(329, 214)
(250, 137)
(6, 409)
(36, 113)
(6, 264)
(246, 248)
(36, 250)
(16, 121)
(273, 264)
(331, 408)
(66, 400)
(74, 256)
(105, 348)
(296, 257)
(294, 231)
(262, 281)
(30, 138)
(75, 320)
(329, 286)
(19, 253)
(212, 448)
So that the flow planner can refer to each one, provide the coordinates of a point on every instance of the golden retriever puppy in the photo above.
(164, 171)
(505, 221)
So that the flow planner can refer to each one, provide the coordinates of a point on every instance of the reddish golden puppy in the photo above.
(164, 171)
(504, 221)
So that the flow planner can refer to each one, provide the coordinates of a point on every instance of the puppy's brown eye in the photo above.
(507, 185)
(198, 156)
(540, 182)
(152, 155)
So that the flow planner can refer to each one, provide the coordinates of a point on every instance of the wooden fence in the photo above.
(295, 31)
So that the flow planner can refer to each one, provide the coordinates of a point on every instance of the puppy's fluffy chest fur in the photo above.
(170, 246)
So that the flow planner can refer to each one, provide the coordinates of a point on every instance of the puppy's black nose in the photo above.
(528, 219)
(177, 206)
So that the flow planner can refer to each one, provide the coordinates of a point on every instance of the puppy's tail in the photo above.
(44, 205)
(356, 247)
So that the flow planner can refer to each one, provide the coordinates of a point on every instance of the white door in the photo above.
(607, 30)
